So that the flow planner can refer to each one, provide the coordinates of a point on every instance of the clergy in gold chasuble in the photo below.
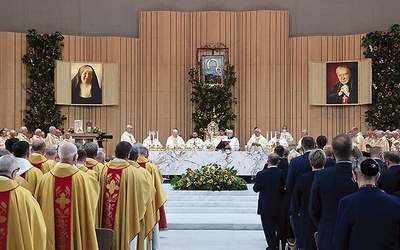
(21, 221)
(160, 197)
(125, 192)
(68, 198)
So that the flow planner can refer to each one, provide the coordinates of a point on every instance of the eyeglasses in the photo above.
(17, 169)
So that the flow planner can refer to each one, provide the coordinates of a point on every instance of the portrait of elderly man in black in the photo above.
(345, 90)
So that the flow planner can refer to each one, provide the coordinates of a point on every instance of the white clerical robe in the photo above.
(288, 137)
(155, 143)
(220, 138)
(175, 142)
(281, 141)
(126, 136)
(195, 143)
(254, 139)
(233, 143)
(358, 141)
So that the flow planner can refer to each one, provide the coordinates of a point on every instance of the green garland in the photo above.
(213, 102)
(383, 47)
(43, 51)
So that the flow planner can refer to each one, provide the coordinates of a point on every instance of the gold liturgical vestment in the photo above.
(122, 206)
(160, 197)
(21, 221)
(40, 162)
(94, 165)
(150, 218)
(68, 198)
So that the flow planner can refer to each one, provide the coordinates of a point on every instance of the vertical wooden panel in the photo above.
(271, 68)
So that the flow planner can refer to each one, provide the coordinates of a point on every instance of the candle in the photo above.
(157, 135)
(267, 136)
(270, 134)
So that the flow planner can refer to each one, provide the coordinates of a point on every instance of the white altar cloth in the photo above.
(176, 162)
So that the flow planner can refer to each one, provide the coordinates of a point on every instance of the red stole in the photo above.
(38, 165)
(4, 204)
(62, 212)
(111, 196)
(142, 164)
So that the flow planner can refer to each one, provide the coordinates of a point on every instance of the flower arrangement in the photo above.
(96, 130)
(42, 52)
(71, 130)
(213, 102)
(211, 177)
(383, 47)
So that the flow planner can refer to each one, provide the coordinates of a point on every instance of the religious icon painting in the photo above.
(212, 69)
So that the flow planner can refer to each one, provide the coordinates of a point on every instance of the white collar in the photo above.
(272, 166)
(24, 165)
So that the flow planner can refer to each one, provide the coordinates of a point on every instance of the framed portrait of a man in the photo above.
(212, 69)
(342, 83)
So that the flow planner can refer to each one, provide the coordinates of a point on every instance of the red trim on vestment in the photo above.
(162, 224)
(4, 204)
(62, 212)
(142, 164)
(38, 165)
(111, 196)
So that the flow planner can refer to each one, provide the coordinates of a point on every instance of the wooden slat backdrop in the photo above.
(272, 72)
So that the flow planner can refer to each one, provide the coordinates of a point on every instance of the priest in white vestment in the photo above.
(285, 134)
(278, 140)
(152, 141)
(257, 142)
(195, 142)
(175, 141)
(128, 136)
(233, 141)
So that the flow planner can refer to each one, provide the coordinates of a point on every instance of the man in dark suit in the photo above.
(298, 166)
(301, 197)
(368, 218)
(329, 186)
(271, 188)
(377, 155)
(330, 160)
(390, 179)
(283, 161)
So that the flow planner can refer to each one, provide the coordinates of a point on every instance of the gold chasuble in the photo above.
(21, 220)
(40, 162)
(160, 197)
(124, 194)
(94, 165)
(86, 170)
(150, 217)
(32, 176)
(68, 197)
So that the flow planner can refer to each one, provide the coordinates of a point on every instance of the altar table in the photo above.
(176, 162)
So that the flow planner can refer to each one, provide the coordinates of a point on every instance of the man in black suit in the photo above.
(390, 179)
(298, 166)
(345, 90)
(368, 218)
(330, 160)
(328, 187)
(271, 188)
(301, 197)
(283, 161)
(377, 155)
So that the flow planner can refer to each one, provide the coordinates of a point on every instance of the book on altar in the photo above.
(222, 144)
